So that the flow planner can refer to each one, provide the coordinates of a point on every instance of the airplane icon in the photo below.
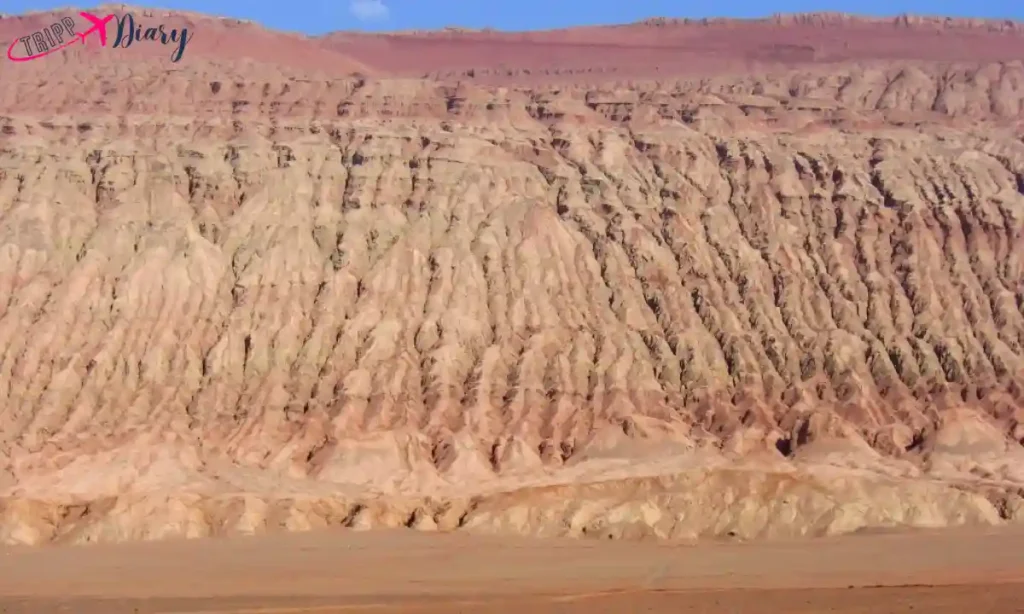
(98, 25)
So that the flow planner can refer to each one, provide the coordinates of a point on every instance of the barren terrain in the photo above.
(670, 279)
(335, 572)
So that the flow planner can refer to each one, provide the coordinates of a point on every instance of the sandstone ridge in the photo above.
(248, 295)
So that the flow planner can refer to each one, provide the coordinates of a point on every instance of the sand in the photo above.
(954, 571)
(670, 280)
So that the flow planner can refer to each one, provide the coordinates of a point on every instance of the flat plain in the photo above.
(953, 571)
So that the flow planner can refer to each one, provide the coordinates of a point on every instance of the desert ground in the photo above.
(952, 571)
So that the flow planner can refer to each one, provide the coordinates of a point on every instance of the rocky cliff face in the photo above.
(785, 303)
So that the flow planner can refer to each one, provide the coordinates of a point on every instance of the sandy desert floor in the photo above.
(953, 571)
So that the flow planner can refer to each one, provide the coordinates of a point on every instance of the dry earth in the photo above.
(670, 279)
(336, 572)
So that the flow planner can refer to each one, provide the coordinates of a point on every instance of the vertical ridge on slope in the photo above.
(409, 307)
(745, 270)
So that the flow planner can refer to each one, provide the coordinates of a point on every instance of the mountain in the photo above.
(672, 279)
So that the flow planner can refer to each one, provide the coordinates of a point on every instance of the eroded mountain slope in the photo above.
(752, 305)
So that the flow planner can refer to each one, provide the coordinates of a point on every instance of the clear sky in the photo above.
(319, 16)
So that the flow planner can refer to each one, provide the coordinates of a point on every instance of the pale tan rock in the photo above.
(777, 296)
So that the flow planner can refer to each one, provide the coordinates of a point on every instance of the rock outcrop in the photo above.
(237, 297)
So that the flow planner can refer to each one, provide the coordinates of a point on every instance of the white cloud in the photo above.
(369, 10)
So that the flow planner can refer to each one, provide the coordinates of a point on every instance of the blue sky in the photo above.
(318, 16)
